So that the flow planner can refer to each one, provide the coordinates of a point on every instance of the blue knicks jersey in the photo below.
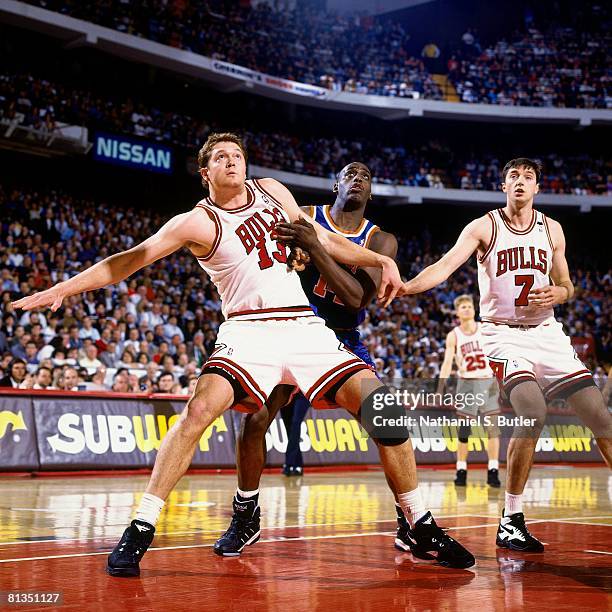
(322, 299)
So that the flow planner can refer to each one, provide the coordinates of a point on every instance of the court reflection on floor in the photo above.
(348, 502)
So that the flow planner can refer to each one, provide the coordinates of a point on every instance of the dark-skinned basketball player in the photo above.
(337, 294)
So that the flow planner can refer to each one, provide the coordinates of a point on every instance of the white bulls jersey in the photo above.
(469, 356)
(516, 261)
(248, 268)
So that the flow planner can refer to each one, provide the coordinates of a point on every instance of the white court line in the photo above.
(323, 537)
(288, 539)
(204, 531)
(582, 523)
(598, 552)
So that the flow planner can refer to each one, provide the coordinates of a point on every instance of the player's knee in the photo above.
(384, 418)
(197, 414)
(527, 400)
(590, 408)
(464, 433)
(255, 425)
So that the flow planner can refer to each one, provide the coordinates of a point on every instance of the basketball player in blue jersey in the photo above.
(339, 295)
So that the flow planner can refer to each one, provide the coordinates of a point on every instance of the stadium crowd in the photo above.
(39, 103)
(560, 64)
(153, 332)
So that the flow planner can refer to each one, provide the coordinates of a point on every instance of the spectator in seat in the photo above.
(69, 380)
(16, 374)
(121, 382)
(167, 384)
(91, 358)
(31, 353)
(43, 378)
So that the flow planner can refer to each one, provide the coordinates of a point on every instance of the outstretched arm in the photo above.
(341, 249)
(476, 234)
(563, 288)
(178, 232)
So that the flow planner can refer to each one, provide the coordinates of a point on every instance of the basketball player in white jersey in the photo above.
(522, 275)
(270, 336)
(464, 348)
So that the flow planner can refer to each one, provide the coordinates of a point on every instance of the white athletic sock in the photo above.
(247, 494)
(413, 505)
(149, 509)
(514, 504)
(462, 465)
(493, 464)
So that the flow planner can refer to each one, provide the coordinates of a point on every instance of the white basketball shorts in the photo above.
(482, 393)
(303, 352)
(542, 353)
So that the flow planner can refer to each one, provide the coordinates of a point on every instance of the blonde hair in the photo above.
(463, 298)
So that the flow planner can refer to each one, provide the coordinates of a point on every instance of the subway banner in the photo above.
(50, 431)
(18, 449)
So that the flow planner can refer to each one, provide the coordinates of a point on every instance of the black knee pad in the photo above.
(391, 441)
(464, 433)
(385, 420)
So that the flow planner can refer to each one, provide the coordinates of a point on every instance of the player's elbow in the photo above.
(353, 304)
(325, 241)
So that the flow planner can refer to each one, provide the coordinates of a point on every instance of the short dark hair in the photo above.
(215, 138)
(523, 162)
(165, 373)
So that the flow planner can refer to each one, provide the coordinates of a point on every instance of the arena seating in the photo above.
(38, 102)
(560, 62)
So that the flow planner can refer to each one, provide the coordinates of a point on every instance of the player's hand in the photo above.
(298, 259)
(299, 234)
(547, 297)
(52, 298)
(390, 282)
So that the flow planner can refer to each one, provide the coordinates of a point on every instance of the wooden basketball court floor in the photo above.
(327, 544)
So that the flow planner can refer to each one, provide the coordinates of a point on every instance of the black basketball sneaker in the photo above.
(430, 542)
(512, 533)
(244, 529)
(461, 478)
(125, 559)
(403, 541)
(493, 478)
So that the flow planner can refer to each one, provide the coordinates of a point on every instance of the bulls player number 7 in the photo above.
(526, 281)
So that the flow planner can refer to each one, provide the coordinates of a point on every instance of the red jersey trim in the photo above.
(247, 382)
(325, 382)
(266, 193)
(250, 202)
(492, 241)
(218, 232)
(281, 310)
(514, 230)
(552, 248)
